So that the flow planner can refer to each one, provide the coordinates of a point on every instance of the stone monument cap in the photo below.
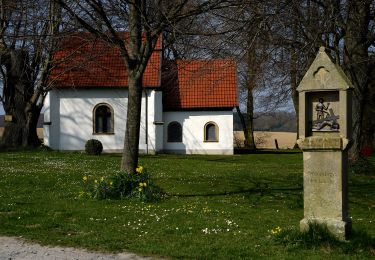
(324, 75)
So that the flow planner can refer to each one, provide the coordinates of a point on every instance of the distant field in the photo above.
(266, 140)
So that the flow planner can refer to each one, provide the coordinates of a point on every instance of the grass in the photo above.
(218, 206)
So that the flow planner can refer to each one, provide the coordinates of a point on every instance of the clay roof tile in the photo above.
(199, 84)
(84, 61)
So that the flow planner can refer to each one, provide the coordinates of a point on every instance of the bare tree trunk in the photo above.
(294, 85)
(131, 142)
(243, 123)
(13, 130)
(249, 133)
(30, 135)
(26, 51)
(250, 84)
(293, 73)
(368, 118)
(21, 130)
(356, 65)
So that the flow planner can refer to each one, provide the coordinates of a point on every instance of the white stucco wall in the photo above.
(193, 123)
(52, 110)
(70, 112)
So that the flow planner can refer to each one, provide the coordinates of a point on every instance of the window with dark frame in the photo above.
(174, 132)
(103, 119)
(211, 132)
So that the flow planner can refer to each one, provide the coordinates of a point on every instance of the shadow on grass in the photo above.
(319, 238)
(41, 148)
(291, 198)
(258, 151)
(262, 189)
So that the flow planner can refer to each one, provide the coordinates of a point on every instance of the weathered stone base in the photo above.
(339, 228)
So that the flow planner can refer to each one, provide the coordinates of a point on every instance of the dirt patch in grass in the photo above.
(18, 248)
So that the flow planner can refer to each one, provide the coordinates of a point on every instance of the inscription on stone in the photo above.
(319, 177)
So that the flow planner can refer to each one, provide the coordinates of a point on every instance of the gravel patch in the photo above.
(16, 248)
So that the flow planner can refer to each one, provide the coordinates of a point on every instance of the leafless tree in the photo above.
(240, 32)
(358, 38)
(28, 31)
(145, 21)
(278, 40)
(346, 28)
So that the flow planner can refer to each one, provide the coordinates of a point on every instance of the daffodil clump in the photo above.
(121, 185)
(275, 231)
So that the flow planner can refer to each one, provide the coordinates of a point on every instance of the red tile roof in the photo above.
(87, 62)
(83, 62)
(199, 84)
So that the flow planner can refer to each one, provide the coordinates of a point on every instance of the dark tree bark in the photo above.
(368, 118)
(243, 123)
(252, 64)
(21, 130)
(131, 147)
(356, 65)
(133, 120)
(294, 82)
(26, 52)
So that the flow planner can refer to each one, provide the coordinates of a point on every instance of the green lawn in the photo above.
(218, 206)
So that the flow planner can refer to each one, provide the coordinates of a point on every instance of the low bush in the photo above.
(93, 147)
(122, 185)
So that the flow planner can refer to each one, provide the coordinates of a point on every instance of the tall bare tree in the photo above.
(345, 29)
(290, 34)
(145, 20)
(28, 31)
(357, 66)
(257, 20)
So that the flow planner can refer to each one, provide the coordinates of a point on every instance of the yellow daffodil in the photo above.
(139, 169)
(111, 183)
(144, 184)
(102, 179)
(140, 184)
(140, 189)
(96, 181)
(84, 178)
(276, 230)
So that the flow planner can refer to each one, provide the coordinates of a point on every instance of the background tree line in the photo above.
(275, 42)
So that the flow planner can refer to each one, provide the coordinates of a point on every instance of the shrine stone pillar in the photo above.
(325, 100)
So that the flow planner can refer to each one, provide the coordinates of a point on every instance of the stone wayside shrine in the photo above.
(324, 137)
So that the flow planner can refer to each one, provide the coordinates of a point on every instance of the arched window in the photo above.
(174, 132)
(103, 119)
(211, 132)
